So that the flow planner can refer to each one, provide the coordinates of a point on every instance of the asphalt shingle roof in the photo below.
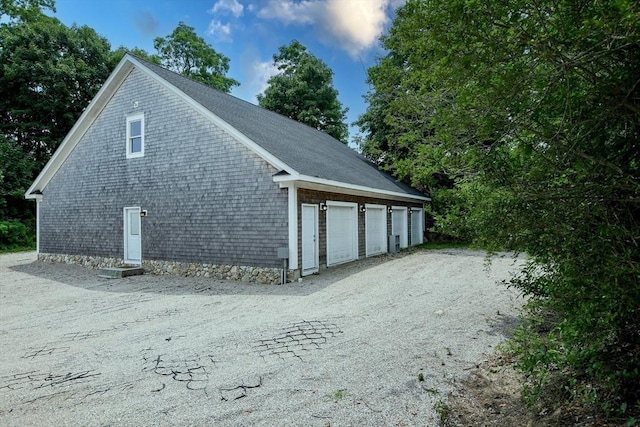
(306, 150)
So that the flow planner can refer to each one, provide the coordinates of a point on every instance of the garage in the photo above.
(375, 229)
(342, 232)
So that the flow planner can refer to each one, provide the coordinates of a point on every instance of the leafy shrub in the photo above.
(15, 234)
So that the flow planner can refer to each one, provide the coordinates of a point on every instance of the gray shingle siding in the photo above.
(209, 198)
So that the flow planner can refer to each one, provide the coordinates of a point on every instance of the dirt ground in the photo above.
(382, 341)
(491, 397)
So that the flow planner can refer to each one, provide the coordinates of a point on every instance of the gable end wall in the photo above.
(209, 198)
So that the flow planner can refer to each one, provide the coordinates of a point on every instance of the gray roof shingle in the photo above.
(306, 150)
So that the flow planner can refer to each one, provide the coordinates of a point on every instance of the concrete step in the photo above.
(120, 272)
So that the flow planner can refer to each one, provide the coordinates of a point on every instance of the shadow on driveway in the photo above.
(87, 278)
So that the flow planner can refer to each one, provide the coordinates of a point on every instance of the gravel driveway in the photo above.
(343, 348)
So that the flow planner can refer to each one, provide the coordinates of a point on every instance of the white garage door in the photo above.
(342, 233)
(417, 223)
(400, 225)
(376, 229)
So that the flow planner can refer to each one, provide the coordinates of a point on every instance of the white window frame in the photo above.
(130, 119)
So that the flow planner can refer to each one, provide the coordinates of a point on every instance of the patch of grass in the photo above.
(17, 249)
(443, 410)
(337, 395)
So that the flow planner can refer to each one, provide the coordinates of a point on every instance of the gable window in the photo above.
(135, 136)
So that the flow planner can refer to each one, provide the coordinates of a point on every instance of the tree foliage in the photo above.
(16, 172)
(119, 53)
(184, 52)
(531, 113)
(49, 73)
(303, 91)
(24, 9)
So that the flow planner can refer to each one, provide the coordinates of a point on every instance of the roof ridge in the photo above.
(305, 149)
(207, 87)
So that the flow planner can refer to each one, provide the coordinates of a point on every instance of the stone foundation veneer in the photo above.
(227, 272)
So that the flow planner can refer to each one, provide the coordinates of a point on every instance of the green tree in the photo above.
(119, 53)
(399, 131)
(303, 91)
(16, 173)
(49, 73)
(24, 9)
(184, 52)
(17, 219)
(532, 109)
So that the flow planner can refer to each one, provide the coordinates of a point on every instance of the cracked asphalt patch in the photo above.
(298, 339)
(346, 347)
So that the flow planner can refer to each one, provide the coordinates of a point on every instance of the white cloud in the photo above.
(219, 30)
(254, 74)
(357, 24)
(291, 12)
(354, 25)
(259, 73)
(228, 6)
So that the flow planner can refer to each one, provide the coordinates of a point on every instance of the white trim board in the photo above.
(292, 212)
(316, 242)
(320, 184)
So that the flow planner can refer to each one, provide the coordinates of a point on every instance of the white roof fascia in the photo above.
(242, 138)
(90, 113)
(322, 184)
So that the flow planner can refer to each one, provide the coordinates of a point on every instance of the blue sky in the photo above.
(343, 33)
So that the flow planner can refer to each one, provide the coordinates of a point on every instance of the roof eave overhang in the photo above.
(33, 196)
(321, 184)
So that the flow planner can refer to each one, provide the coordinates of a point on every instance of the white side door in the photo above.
(132, 236)
(399, 225)
(342, 232)
(310, 257)
(375, 229)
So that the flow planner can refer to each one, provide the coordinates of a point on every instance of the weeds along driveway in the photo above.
(376, 342)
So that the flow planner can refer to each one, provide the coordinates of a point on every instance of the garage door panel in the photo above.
(417, 221)
(376, 230)
(342, 238)
(400, 225)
